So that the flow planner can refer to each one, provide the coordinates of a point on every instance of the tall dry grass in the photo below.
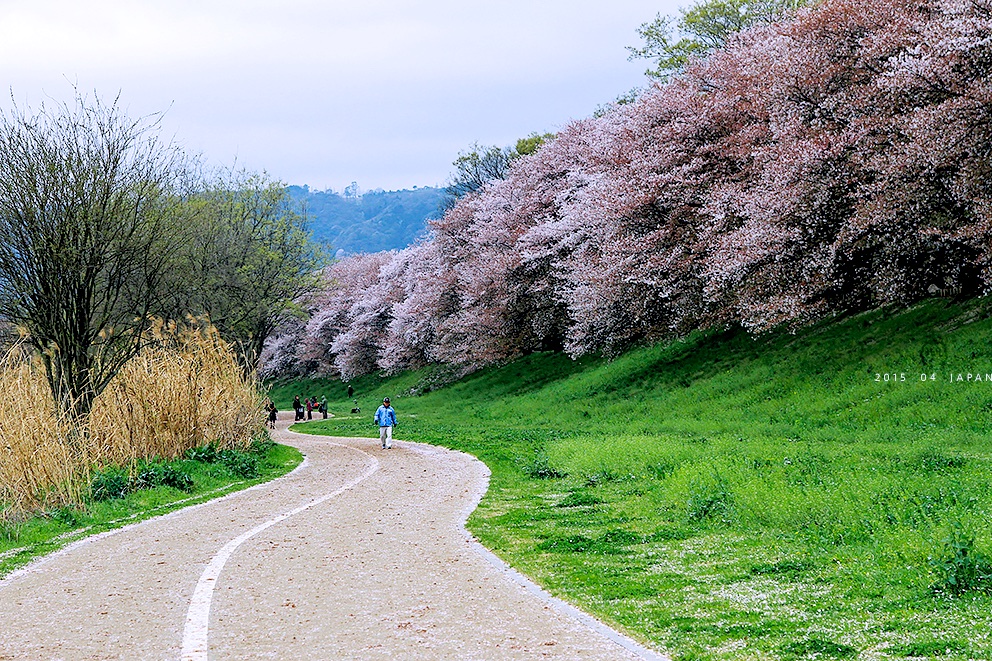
(43, 458)
(185, 390)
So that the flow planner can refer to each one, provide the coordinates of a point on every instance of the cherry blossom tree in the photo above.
(820, 165)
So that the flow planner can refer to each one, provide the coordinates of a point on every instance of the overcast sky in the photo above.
(382, 92)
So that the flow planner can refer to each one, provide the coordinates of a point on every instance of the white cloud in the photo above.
(383, 91)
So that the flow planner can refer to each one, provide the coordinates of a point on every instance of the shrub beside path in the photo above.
(358, 554)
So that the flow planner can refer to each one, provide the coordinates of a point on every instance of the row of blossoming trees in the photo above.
(837, 161)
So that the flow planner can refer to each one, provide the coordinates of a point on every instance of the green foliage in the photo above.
(530, 144)
(116, 482)
(673, 42)
(205, 453)
(66, 516)
(931, 648)
(580, 499)
(174, 476)
(253, 261)
(961, 569)
(791, 568)
(477, 166)
(710, 498)
(262, 445)
(540, 468)
(624, 99)
(817, 648)
(612, 542)
(242, 464)
(434, 377)
(934, 460)
(109, 483)
(148, 476)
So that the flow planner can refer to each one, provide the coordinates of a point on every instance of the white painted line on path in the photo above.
(196, 631)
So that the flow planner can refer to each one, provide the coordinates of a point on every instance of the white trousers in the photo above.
(386, 436)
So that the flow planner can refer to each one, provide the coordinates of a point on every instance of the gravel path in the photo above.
(360, 553)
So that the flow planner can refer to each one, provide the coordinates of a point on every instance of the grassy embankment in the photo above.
(727, 497)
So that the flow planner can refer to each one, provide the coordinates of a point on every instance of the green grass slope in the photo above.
(823, 495)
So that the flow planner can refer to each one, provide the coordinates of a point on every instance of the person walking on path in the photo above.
(323, 405)
(310, 401)
(298, 408)
(271, 408)
(385, 417)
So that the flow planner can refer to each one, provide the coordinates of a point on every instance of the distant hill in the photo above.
(370, 222)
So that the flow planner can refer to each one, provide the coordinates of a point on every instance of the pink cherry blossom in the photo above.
(822, 165)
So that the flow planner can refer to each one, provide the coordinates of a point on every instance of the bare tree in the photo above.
(89, 223)
(477, 167)
(481, 164)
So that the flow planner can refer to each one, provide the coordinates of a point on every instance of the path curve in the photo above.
(360, 553)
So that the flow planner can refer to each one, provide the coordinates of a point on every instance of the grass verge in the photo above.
(819, 495)
(118, 497)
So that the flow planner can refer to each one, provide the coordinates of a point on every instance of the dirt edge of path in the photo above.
(520, 579)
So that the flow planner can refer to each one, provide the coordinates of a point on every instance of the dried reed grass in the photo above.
(187, 389)
(40, 450)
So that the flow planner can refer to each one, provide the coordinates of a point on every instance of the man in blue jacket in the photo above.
(385, 417)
